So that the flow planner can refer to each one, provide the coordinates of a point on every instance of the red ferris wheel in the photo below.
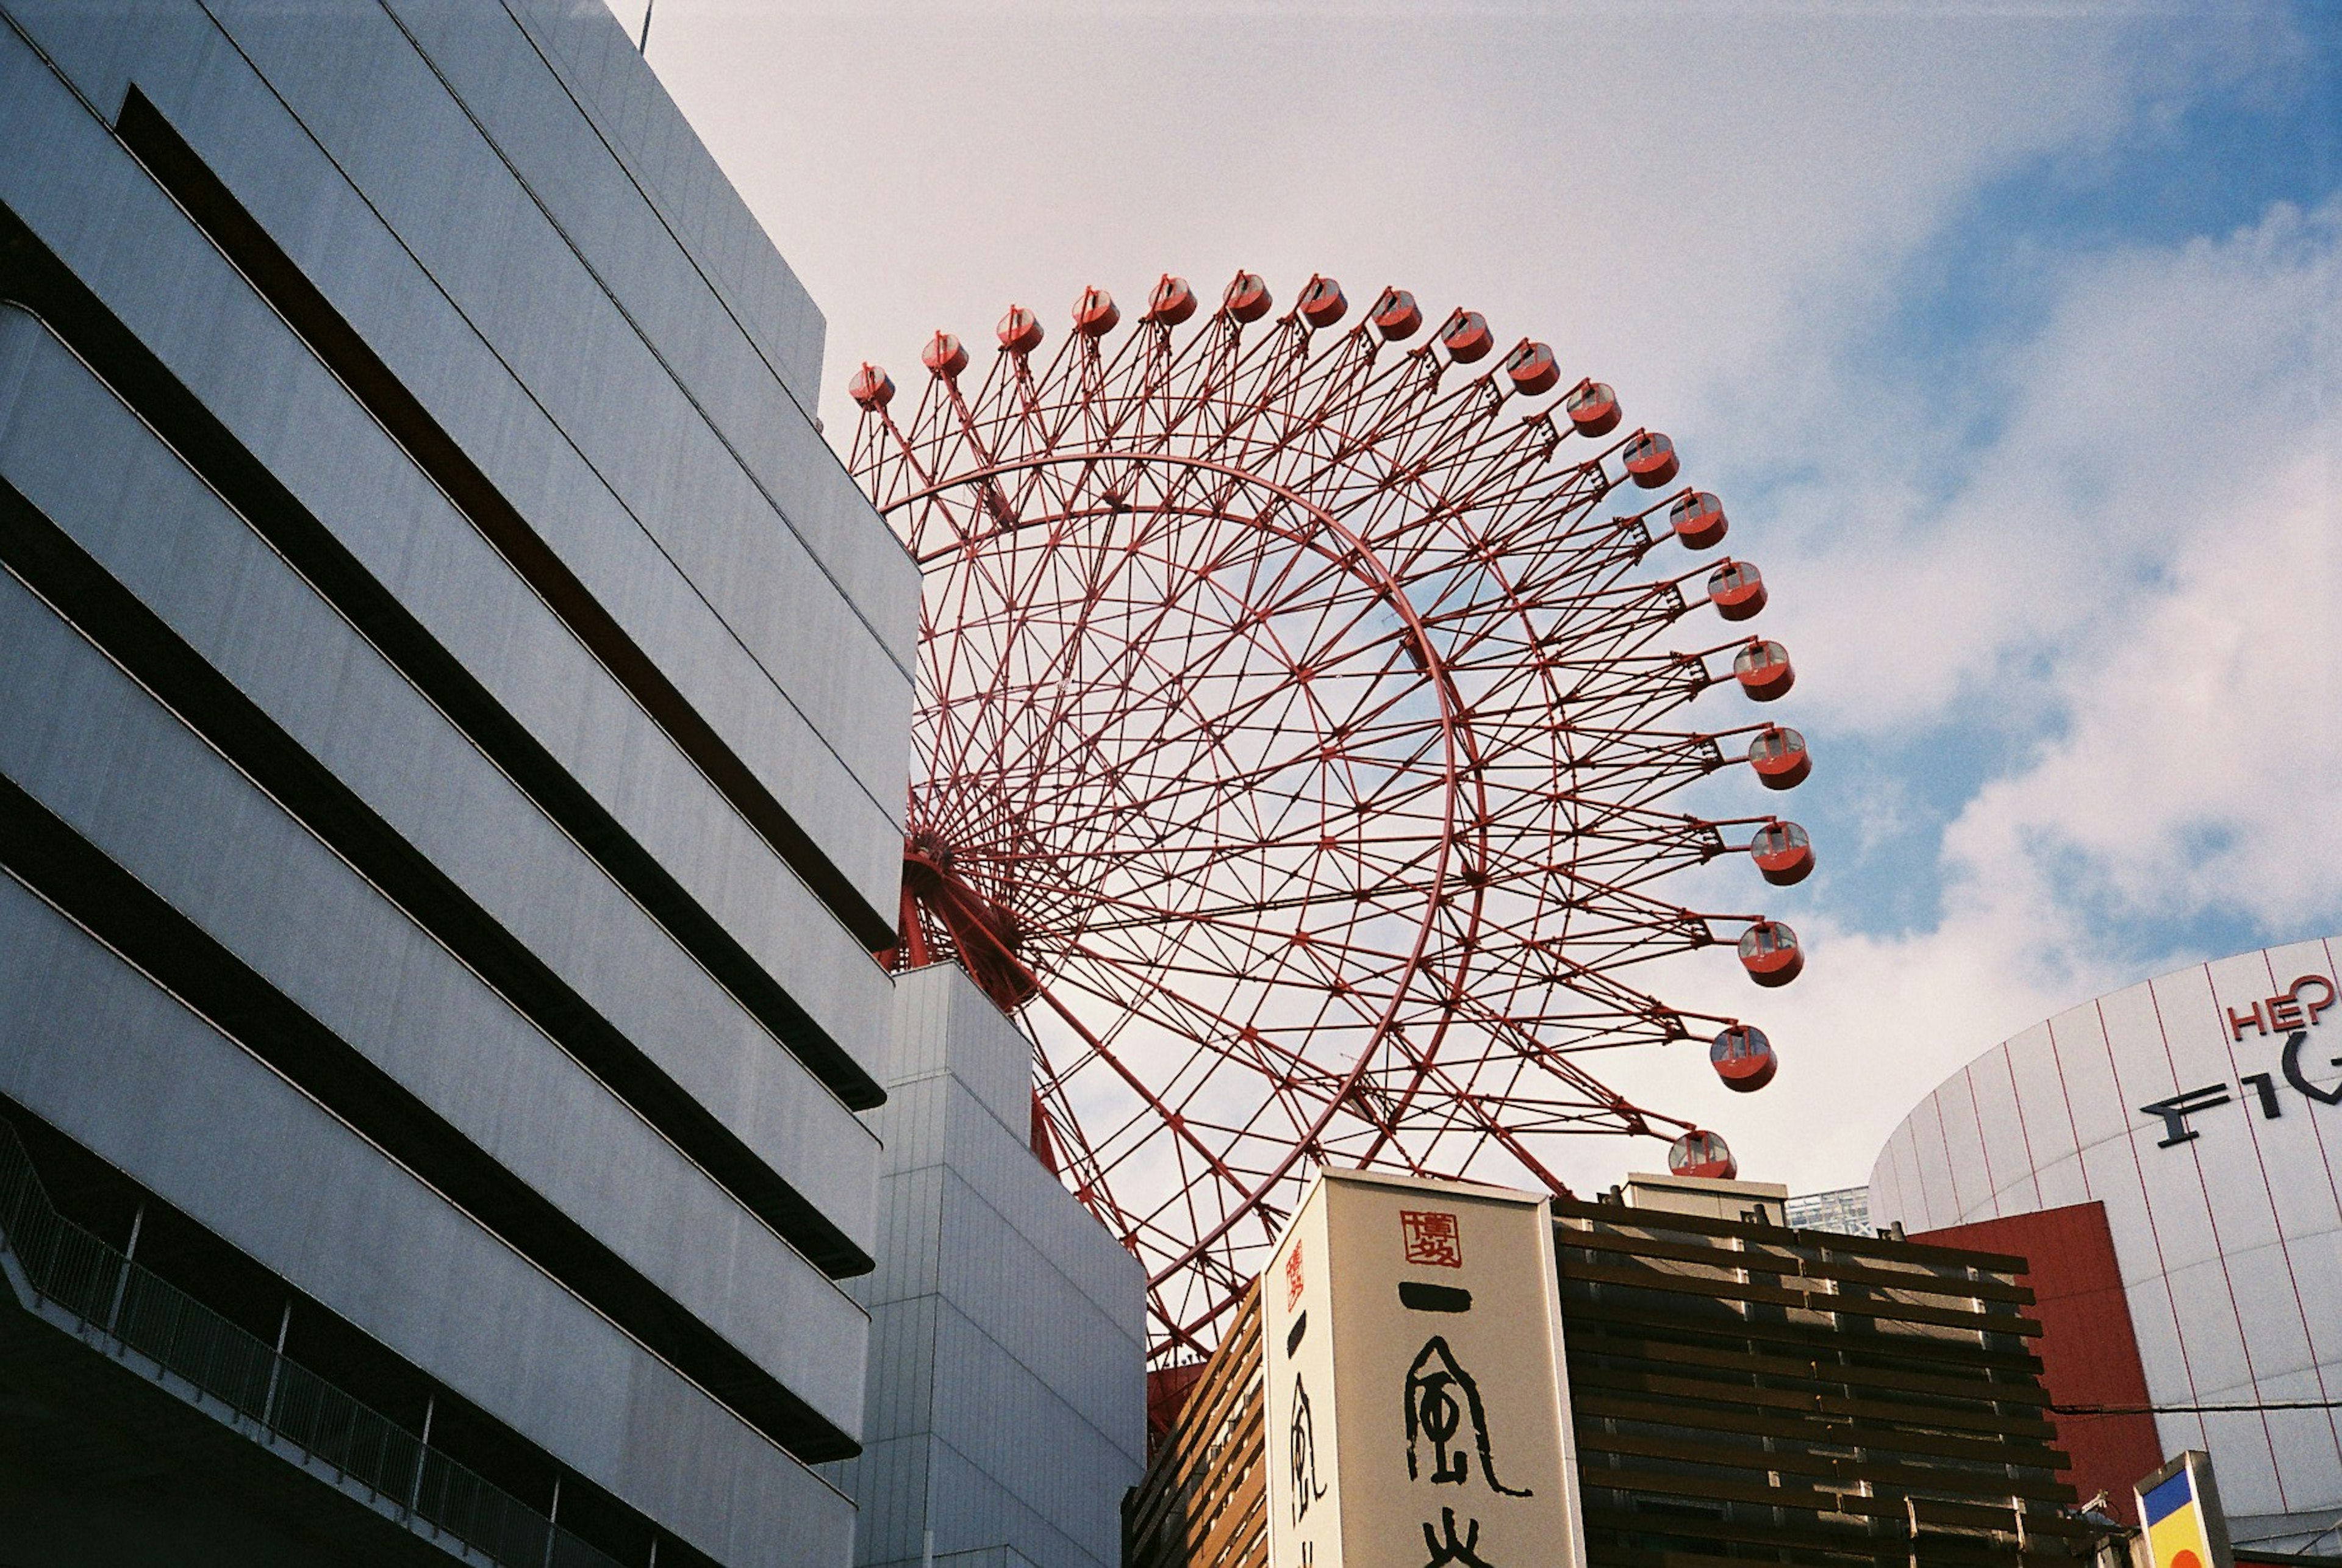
(1295, 736)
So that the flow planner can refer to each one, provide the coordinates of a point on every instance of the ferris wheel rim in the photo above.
(1509, 959)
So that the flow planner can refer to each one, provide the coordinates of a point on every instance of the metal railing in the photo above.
(125, 1311)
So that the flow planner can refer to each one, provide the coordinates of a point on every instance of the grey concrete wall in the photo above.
(1007, 1399)
(72, 449)
(774, 598)
(503, 204)
(82, 739)
(188, 1113)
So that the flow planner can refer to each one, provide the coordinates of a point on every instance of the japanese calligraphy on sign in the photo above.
(1432, 1238)
(1303, 1455)
(1434, 1385)
(1417, 1384)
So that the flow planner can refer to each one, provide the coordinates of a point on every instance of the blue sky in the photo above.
(2011, 334)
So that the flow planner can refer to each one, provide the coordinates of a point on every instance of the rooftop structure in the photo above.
(1734, 1390)
(1005, 1415)
(1846, 1210)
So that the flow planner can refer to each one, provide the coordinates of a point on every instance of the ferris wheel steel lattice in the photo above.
(1295, 734)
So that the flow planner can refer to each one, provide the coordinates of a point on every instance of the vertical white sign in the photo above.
(1417, 1414)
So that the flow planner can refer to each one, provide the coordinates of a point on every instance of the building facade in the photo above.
(1720, 1389)
(1006, 1412)
(454, 712)
(2199, 1115)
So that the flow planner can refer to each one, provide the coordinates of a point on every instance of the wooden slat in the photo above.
(1969, 1515)
(1191, 1517)
(1844, 1434)
(1670, 1483)
(1813, 1369)
(1248, 1514)
(1823, 1302)
(1816, 1401)
(1837, 1241)
(1849, 1541)
(1210, 1403)
(1764, 1260)
(1584, 1313)
(1196, 1509)
(1931, 1511)
(1987, 1480)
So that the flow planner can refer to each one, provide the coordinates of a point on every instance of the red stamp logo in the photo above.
(1432, 1238)
(1293, 1276)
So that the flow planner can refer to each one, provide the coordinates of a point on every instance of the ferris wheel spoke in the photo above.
(1293, 724)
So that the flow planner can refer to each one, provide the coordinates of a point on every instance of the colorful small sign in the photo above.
(2180, 1509)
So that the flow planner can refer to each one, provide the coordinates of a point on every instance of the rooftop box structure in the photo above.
(1728, 1390)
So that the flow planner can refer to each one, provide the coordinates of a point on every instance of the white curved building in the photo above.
(2202, 1110)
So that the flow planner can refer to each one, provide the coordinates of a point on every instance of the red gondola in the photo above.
(1321, 302)
(1744, 1059)
(1703, 1155)
(1397, 315)
(1248, 297)
(1467, 337)
(1782, 853)
(871, 388)
(1736, 589)
(1763, 670)
(1019, 331)
(1698, 518)
(1533, 368)
(1769, 952)
(1095, 313)
(1651, 459)
(1172, 302)
(1778, 755)
(1593, 408)
(945, 355)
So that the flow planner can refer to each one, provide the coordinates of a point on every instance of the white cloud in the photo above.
(2148, 416)
(2203, 766)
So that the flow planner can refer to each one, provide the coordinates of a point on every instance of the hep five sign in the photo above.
(2292, 1015)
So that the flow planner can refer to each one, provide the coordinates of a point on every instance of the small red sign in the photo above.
(1432, 1238)
(1293, 1276)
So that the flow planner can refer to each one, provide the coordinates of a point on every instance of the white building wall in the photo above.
(1006, 1410)
(2230, 1240)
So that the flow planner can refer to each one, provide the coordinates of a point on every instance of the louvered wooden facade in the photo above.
(1742, 1394)
(1750, 1393)
(1204, 1502)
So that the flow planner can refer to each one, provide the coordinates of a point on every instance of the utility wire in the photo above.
(643, 48)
